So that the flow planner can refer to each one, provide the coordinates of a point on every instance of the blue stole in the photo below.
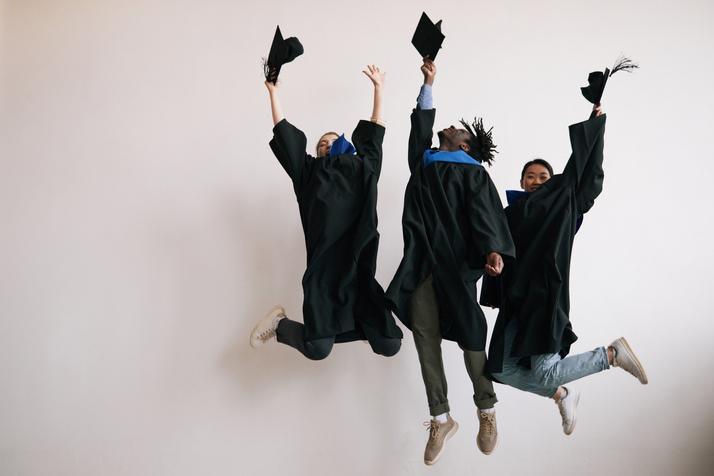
(342, 146)
(455, 157)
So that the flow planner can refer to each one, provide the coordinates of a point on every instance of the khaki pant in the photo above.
(427, 337)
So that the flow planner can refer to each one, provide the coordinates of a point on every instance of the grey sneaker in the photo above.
(438, 434)
(626, 359)
(487, 432)
(567, 407)
(265, 329)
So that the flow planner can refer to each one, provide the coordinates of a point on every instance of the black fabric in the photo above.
(337, 197)
(293, 334)
(452, 219)
(534, 288)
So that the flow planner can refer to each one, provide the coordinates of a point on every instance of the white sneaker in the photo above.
(567, 407)
(265, 329)
(626, 359)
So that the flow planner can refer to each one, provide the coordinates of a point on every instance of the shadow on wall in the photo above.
(271, 262)
(271, 257)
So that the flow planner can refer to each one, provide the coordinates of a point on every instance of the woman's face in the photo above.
(324, 144)
(535, 176)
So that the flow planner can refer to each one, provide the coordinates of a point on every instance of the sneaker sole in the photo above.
(272, 314)
(631, 354)
(446, 438)
(575, 416)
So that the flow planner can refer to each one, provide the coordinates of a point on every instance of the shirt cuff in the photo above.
(425, 99)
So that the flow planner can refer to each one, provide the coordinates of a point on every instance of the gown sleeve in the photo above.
(289, 144)
(367, 139)
(584, 168)
(420, 135)
(490, 291)
(487, 220)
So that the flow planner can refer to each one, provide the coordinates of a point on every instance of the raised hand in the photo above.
(375, 75)
(429, 71)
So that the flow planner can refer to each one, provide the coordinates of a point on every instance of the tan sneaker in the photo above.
(439, 433)
(265, 329)
(487, 432)
(626, 359)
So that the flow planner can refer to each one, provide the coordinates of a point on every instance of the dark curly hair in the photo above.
(480, 141)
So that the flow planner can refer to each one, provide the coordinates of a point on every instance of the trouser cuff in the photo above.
(485, 403)
(439, 408)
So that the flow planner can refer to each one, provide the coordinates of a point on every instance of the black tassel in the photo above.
(485, 148)
(624, 64)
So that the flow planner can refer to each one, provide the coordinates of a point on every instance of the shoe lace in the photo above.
(266, 334)
(432, 428)
(488, 421)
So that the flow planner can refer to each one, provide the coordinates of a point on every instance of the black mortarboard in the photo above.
(428, 37)
(281, 52)
(597, 79)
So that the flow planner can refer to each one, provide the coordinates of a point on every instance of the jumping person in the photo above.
(337, 196)
(454, 229)
(533, 332)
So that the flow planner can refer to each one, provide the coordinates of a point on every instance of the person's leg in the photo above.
(293, 334)
(382, 345)
(552, 371)
(484, 394)
(484, 398)
(427, 338)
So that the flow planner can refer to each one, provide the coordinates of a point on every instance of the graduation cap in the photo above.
(597, 79)
(281, 52)
(428, 37)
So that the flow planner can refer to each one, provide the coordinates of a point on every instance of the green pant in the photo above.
(427, 337)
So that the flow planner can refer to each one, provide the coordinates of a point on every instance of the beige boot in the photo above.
(487, 432)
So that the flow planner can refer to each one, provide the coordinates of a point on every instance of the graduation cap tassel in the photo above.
(485, 148)
(624, 64)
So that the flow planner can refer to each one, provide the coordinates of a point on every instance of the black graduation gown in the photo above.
(452, 219)
(337, 197)
(534, 289)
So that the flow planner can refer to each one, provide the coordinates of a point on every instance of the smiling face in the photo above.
(454, 139)
(324, 144)
(534, 176)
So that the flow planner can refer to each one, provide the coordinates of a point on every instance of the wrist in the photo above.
(429, 81)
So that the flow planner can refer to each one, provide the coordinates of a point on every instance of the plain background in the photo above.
(146, 226)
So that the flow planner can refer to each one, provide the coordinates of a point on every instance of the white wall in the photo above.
(146, 226)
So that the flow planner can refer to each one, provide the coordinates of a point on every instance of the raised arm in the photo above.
(377, 78)
(369, 135)
(584, 168)
(274, 102)
(423, 116)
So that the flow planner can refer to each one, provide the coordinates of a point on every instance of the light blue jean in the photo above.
(548, 371)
